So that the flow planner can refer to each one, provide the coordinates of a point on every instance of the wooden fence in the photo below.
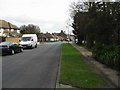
(16, 39)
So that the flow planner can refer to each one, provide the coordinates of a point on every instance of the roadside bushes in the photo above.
(107, 54)
(2, 39)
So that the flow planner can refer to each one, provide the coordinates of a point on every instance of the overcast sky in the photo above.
(49, 15)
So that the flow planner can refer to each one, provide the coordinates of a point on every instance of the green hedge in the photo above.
(2, 39)
(108, 54)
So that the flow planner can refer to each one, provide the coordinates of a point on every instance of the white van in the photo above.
(29, 41)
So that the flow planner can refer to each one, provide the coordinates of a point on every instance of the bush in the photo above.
(107, 54)
(2, 39)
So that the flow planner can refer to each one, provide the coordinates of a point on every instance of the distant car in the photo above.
(10, 47)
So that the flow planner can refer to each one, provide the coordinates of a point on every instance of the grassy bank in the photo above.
(74, 71)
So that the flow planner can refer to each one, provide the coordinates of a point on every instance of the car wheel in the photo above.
(21, 49)
(12, 52)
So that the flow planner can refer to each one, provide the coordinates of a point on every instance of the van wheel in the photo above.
(31, 47)
(12, 52)
(36, 46)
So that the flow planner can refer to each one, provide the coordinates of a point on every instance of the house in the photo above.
(55, 37)
(8, 30)
(41, 37)
(61, 36)
(71, 38)
(49, 37)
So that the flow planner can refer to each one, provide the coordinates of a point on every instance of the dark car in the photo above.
(10, 47)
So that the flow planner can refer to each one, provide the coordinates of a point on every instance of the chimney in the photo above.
(61, 31)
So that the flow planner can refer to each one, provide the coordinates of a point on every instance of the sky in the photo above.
(50, 15)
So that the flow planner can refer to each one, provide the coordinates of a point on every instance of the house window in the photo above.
(12, 30)
(18, 31)
(1, 30)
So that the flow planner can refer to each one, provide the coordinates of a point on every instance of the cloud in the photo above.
(45, 26)
(50, 15)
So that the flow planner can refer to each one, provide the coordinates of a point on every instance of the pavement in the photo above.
(33, 68)
(111, 76)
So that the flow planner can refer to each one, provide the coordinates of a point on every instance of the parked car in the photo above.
(29, 41)
(10, 47)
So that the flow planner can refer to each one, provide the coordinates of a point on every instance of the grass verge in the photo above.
(75, 72)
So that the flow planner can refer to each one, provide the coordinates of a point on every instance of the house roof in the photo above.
(61, 34)
(6, 25)
(48, 35)
(60, 37)
(41, 35)
(56, 36)
(13, 26)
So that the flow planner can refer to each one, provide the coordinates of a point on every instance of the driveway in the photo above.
(33, 68)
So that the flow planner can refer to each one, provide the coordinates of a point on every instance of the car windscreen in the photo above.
(5, 43)
(26, 38)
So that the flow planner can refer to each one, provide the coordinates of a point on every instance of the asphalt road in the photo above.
(33, 68)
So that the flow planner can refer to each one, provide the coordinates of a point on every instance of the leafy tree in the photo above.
(96, 21)
(24, 32)
(116, 22)
(99, 23)
(90, 25)
(30, 29)
(78, 25)
(78, 14)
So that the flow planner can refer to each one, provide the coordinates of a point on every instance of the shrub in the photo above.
(107, 54)
(2, 39)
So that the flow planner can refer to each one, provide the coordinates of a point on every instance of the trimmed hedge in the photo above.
(107, 54)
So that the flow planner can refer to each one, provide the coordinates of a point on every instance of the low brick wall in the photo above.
(13, 39)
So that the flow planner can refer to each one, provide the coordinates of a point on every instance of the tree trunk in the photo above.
(89, 41)
(79, 41)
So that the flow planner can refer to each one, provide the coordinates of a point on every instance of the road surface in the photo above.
(33, 68)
